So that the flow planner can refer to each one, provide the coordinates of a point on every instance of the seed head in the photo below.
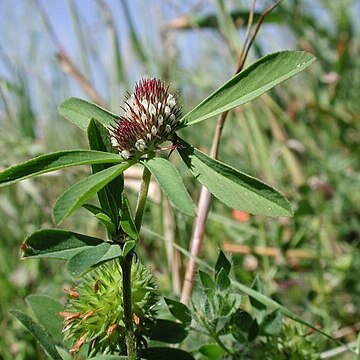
(151, 116)
(95, 316)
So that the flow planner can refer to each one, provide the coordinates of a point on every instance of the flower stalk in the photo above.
(141, 202)
(126, 269)
(151, 116)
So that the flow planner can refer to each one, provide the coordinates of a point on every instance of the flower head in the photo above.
(151, 116)
(95, 312)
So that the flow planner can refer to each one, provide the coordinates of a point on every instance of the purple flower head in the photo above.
(151, 116)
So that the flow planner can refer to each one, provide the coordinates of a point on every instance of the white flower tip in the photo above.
(167, 110)
(140, 145)
(125, 154)
(114, 142)
(171, 101)
(153, 130)
(152, 109)
(167, 128)
(144, 103)
(143, 117)
(160, 120)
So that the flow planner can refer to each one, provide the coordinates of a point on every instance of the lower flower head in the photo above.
(95, 312)
(151, 116)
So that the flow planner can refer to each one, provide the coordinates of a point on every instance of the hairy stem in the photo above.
(126, 270)
(128, 319)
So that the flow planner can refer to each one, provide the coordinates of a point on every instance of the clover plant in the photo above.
(113, 308)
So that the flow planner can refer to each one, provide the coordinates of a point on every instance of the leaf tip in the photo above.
(62, 106)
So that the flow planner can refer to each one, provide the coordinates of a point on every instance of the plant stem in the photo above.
(126, 269)
(216, 337)
(128, 319)
(141, 201)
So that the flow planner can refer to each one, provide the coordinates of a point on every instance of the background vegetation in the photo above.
(303, 138)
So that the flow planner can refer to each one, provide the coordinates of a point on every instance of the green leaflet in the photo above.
(179, 311)
(81, 251)
(47, 311)
(212, 351)
(58, 244)
(222, 263)
(55, 161)
(39, 334)
(250, 83)
(110, 195)
(93, 255)
(78, 194)
(170, 182)
(128, 246)
(106, 221)
(222, 280)
(168, 331)
(102, 217)
(234, 188)
(80, 112)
